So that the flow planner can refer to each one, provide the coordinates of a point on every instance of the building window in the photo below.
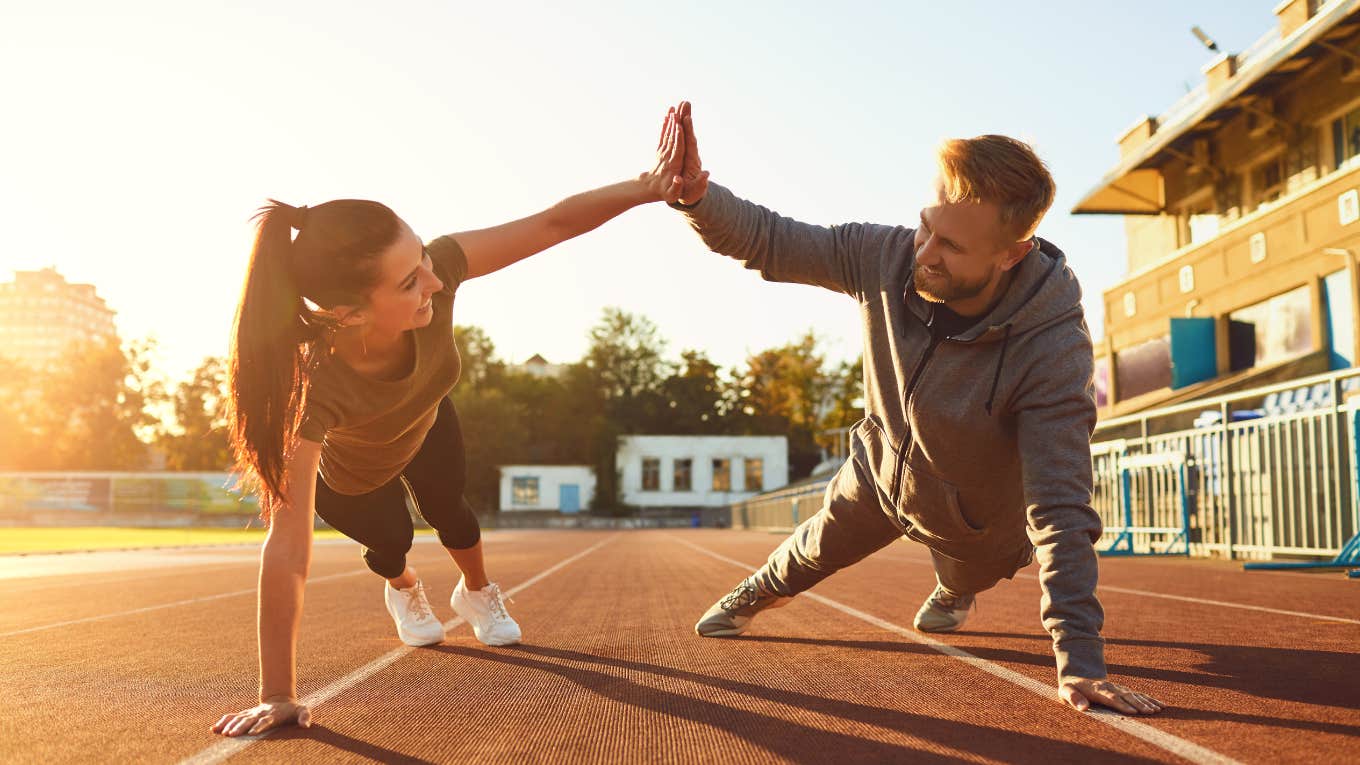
(722, 475)
(1273, 330)
(683, 469)
(1267, 182)
(1143, 368)
(651, 474)
(1187, 279)
(755, 474)
(1346, 138)
(1203, 227)
(524, 490)
(1102, 381)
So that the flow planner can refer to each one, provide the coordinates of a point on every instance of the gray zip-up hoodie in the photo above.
(973, 441)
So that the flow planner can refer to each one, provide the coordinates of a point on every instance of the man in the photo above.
(978, 383)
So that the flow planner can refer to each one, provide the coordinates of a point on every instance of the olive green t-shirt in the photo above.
(370, 429)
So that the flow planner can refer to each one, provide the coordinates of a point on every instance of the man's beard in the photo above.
(944, 288)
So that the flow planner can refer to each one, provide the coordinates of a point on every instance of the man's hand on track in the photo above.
(1082, 692)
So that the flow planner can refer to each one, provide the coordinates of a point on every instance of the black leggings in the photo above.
(434, 480)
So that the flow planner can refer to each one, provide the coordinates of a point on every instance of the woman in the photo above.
(356, 389)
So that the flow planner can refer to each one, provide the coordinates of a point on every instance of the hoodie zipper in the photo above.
(899, 461)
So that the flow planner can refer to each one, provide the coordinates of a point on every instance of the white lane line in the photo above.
(1158, 738)
(228, 747)
(177, 603)
(1220, 603)
(1166, 596)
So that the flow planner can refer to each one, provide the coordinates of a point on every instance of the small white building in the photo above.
(699, 471)
(546, 488)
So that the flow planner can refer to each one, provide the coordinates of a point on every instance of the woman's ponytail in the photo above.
(269, 357)
(277, 338)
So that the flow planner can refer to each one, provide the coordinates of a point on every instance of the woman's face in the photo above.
(401, 298)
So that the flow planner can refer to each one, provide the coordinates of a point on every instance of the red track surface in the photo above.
(611, 671)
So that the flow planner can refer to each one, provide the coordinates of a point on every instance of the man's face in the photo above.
(962, 250)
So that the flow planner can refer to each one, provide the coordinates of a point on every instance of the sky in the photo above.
(140, 137)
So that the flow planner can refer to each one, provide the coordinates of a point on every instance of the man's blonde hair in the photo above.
(1000, 170)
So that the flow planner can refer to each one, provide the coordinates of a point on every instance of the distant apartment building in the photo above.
(41, 314)
(699, 471)
(1240, 208)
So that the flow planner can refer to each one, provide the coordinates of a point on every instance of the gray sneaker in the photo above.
(944, 611)
(731, 615)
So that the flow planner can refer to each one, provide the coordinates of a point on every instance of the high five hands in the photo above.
(678, 175)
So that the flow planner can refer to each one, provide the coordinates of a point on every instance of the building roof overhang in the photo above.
(1134, 186)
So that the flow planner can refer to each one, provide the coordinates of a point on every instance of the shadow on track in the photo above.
(784, 737)
(334, 738)
(1302, 676)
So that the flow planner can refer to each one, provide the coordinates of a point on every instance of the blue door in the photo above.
(569, 498)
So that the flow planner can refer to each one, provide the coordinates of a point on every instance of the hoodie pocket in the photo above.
(925, 506)
(878, 456)
(930, 507)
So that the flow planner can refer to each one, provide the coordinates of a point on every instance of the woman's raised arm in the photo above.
(494, 248)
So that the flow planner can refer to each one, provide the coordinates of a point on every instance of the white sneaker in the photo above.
(485, 611)
(416, 622)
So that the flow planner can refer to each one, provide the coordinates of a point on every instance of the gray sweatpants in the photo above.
(851, 525)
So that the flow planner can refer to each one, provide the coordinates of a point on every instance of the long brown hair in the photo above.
(278, 337)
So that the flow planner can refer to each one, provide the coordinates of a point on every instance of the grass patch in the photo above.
(77, 538)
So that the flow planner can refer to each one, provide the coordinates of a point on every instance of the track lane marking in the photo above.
(177, 603)
(229, 747)
(160, 606)
(1154, 736)
(1167, 596)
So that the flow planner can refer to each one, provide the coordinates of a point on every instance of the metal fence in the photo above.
(780, 509)
(1257, 474)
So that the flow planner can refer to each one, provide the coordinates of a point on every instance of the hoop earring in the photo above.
(363, 341)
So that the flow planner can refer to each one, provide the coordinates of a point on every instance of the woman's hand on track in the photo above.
(263, 717)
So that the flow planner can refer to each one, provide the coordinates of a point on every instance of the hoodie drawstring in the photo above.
(1000, 360)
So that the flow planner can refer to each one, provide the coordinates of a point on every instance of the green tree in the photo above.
(790, 391)
(626, 355)
(18, 396)
(198, 439)
(480, 365)
(625, 366)
(696, 398)
(93, 403)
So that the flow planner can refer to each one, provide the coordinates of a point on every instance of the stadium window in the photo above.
(755, 474)
(1143, 368)
(651, 474)
(1346, 137)
(722, 475)
(1281, 328)
(1267, 181)
(683, 470)
(524, 490)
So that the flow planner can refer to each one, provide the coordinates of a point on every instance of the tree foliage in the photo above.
(101, 407)
(84, 411)
(198, 439)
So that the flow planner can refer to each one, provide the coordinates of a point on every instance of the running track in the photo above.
(134, 657)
